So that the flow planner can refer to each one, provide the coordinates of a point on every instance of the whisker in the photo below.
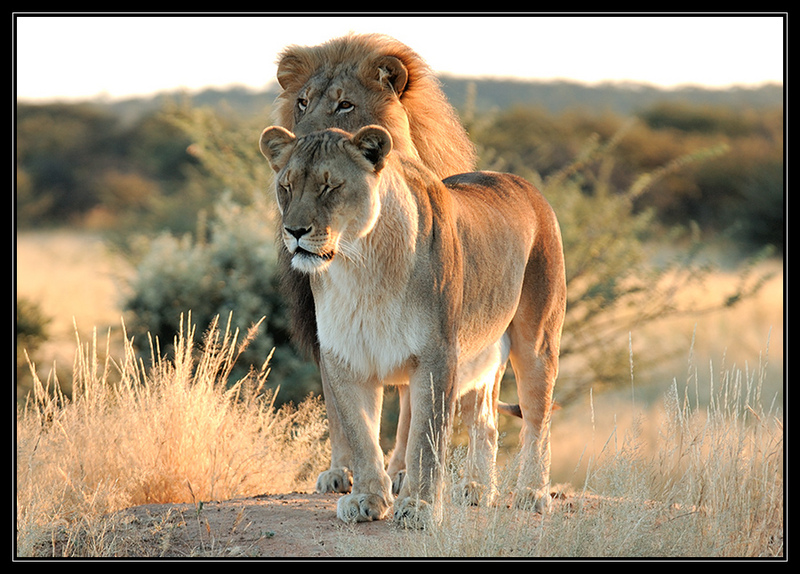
(351, 253)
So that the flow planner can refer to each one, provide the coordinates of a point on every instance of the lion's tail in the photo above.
(507, 409)
(515, 410)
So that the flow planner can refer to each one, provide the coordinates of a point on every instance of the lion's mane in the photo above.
(436, 131)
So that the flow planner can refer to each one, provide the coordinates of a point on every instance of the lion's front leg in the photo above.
(432, 406)
(358, 405)
(338, 478)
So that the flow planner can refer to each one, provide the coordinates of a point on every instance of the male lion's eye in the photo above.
(302, 104)
(345, 106)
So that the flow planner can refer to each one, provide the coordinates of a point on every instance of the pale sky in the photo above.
(68, 57)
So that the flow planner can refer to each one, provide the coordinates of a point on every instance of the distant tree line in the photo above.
(623, 98)
(79, 165)
(740, 191)
(108, 166)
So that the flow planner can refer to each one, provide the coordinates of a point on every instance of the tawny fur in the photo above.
(404, 275)
(388, 84)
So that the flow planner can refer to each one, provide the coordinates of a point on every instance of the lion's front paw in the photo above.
(338, 480)
(538, 500)
(361, 508)
(412, 512)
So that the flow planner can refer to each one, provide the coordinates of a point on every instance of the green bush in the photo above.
(761, 212)
(721, 193)
(616, 282)
(229, 274)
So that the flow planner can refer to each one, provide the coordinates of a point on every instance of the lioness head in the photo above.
(326, 189)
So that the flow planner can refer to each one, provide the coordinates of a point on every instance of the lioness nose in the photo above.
(297, 232)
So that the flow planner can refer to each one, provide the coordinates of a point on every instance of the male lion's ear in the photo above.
(276, 144)
(392, 73)
(293, 68)
(374, 143)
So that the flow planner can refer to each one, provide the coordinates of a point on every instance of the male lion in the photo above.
(404, 271)
(348, 83)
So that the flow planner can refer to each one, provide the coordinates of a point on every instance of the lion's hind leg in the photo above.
(479, 385)
(478, 482)
(535, 387)
(535, 334)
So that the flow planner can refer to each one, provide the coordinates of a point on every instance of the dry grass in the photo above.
(171, 431)
(710, 486)
(707, 483)
(692, 468)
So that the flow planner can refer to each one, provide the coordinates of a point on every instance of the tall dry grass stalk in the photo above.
(711, 486)
(175, 430)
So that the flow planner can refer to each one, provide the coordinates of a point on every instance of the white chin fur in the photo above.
(309, 263)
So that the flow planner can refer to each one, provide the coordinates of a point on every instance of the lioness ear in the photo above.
(374, 143)
(392, 73)
(276, 144)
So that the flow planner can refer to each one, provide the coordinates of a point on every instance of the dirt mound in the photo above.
(293, 525)
(281, 525)
(300, 525)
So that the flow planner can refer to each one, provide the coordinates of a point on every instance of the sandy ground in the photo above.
(292, 526)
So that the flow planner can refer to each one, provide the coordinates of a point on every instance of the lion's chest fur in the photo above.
(367, 311)
(375, 331)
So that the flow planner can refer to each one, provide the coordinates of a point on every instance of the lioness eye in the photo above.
(282, 194)
(329, 187)
(302, 104)
(345, 106)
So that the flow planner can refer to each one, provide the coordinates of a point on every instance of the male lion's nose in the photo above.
(297, 232)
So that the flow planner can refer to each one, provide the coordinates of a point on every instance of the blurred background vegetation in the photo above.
(654, 189)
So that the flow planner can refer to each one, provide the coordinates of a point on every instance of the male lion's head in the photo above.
(326, 189)
(365, 79)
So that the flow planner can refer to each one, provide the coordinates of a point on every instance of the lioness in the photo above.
(417, 279)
